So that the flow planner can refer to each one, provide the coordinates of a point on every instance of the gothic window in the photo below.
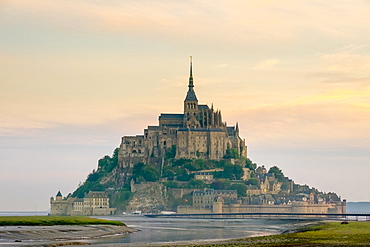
(164, 143)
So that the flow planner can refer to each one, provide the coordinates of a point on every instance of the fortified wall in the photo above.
(294, 207)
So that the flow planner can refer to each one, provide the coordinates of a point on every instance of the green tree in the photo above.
(249, 164)
(105, 166)
(137, 170)
(278, 172)
(217, 185)
(240, 188)
(231, 153)
(171, 184)
(252, 181)
(191, 167)
(181, 162)
(197, 184)
(107, 163)
(167, 173)
(150, 173)
(233, 172)
(144, 172)
(170, 154)
(184, 176)
(97, 187)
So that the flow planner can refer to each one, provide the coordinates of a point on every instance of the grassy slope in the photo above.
(326, 234)
(54, 220)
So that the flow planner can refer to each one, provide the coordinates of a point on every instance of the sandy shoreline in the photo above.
(57, 235)
(68, 235)
(72, 235)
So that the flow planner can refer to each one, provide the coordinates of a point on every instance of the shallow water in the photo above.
(174, 230)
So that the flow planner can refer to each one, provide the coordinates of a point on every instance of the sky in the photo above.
(76, 76)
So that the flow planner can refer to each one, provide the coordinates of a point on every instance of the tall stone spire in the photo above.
(190, 96)
(191, 84)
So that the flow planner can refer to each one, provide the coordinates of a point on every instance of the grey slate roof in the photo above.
(173, 125)
(95, 194)
(230, 130)
(201, 129)
(171, 116)
(190, 96)
(203, 107)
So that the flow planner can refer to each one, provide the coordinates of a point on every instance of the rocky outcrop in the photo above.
(149, 197)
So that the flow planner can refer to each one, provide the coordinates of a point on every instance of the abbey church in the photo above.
(198, 132)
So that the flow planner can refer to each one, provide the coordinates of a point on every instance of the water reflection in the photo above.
(164, 230)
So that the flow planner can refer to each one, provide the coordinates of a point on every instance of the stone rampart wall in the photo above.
(179, 193)
(295, 207)
(192, 210)
(143, 186)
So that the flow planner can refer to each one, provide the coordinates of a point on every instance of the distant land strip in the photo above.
(54, 220)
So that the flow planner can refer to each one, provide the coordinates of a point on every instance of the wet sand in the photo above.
(59, 235)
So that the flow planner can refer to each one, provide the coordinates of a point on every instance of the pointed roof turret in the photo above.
(59, 194)
(190, 96)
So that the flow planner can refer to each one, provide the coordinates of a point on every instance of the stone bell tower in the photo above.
(191, 103)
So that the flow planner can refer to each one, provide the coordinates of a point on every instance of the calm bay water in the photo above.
(358, 207)
(25, 213)
(174, 230)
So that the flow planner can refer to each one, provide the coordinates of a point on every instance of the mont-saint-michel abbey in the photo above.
(190, 163)
(198, 132)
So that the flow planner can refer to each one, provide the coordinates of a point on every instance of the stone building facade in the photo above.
(198, 132)
(206, 197)
(214, 201)
(94, 203)
(204, 176)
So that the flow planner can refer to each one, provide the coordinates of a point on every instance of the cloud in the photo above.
(233, 21)
(349, 64)
(222, 65)
(321, 126)
(269, 64)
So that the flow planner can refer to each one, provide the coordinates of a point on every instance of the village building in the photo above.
(214, 201)
(94, 203)
(204, 176)
(205, 198)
